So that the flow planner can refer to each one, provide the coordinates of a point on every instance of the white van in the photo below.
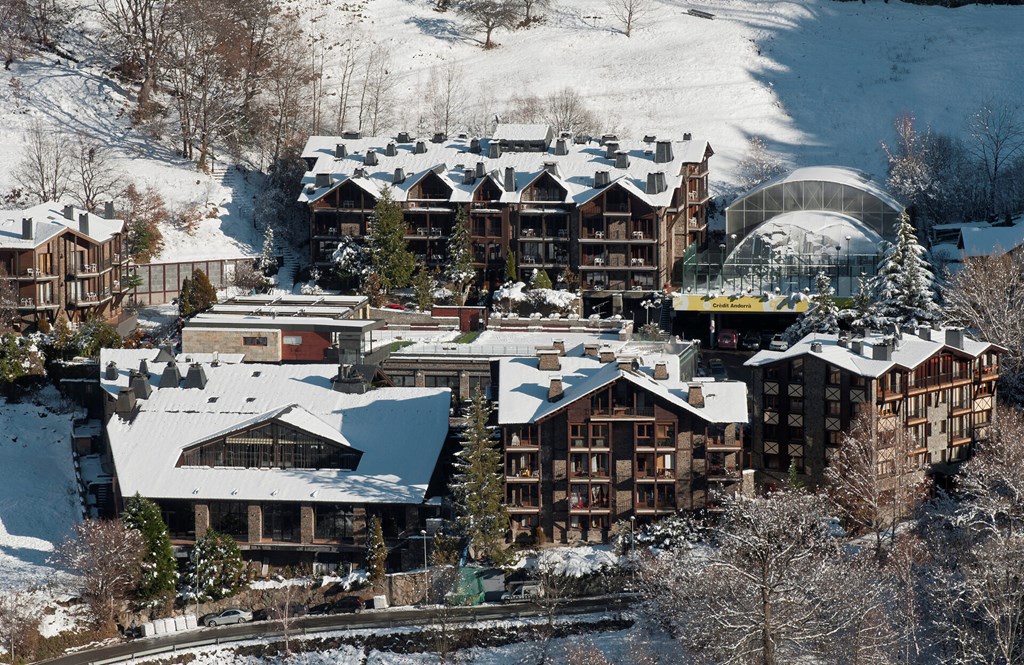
(522, 592)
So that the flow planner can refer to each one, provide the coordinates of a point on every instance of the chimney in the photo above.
(196, 377)
(83, 223)
(955, 337)
(610, 148)
(695, 396)
(351, 135)
(510, 179)
(125, 402)
(480, 170)
(27, 228)
(627, 364)
(547, 360)
(359, 173)
(590, 349)
(171, 377)
(216, 359)
(340, 152)
(656, 183)
(606, 355)
(559, 345)
(139, 383)
(660, 371)
(605, 138)
(323, 180)
(474, 146)
(348, 381)
(815, 347)
(420, 148)
(650, 138)
(110, 372)
(843, 342)
(881, 351)
(857, 346)
(551, 168)
(687, 136)
(555, 390)
(404, 137)
(494, 150)
(468, 177)
(601, 179)
(561, 147)
(399, 176)
(108, 210)
(69, 213)
(925, 333)
(663, 152)
(165, 355)
(621, 159)
(390, 150)
(370, 159)
(439, 137)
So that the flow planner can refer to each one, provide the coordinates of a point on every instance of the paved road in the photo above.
(165, 644)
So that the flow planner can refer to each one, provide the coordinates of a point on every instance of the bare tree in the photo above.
(985, 295)
(996, 132)
(583, 652)
(532, 6)
(488, 15)
(48, 19)
(19, 625)
(376, 102)
(345, 74)
(108, 557)
(629, 13)
(94, 173)
(45, 170)
(140, 31)
(873, 478)
(446, 96)
(567, 112)
(15, 32)
(759, 164)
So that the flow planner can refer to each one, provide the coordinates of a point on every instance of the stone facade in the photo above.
(202, 340)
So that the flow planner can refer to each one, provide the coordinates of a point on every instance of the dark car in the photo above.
(278, 613)
(348, 605)
(751, 342)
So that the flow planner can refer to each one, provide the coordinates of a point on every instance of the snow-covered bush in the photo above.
(514, 297)
(216, 567)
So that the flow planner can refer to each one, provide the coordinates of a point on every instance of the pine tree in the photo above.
(476, 487)
(389, 253)
(204, 296)
(541, 280)
(376, 552)
(185, 299)
(267, 260)
(862, 314)
(159, 568)
(459, 267)
(511, 274)
(904, 288)
(423, 284)
(217, 569)
(821, 317)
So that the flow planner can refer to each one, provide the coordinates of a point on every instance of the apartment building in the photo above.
(939, 384)
(618, 214)
(591, 440)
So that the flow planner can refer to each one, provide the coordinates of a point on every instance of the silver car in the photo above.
(227, 617)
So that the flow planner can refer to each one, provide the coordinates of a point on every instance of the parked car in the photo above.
(728, 338)
(717, 369)
(750, 342)
(227, 617)
(522, 592)
(778, 342)
(395, 305)
(348, 605)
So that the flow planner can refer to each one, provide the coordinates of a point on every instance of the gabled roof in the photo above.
(289, 414)
(48, 220)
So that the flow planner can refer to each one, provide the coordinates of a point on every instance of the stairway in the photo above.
(665, 320)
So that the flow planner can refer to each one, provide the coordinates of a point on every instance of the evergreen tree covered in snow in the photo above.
(159, 567)
(821, 317)
(389, 254)
(477, 488)
(351, 259)
(185, 298)
(216, 566)
(267, 260)
(904, 288)
(376, 552)
(458, 269)
(862, 315)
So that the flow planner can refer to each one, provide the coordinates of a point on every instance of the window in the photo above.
(254, 341)
(796, 433)
(796, 405)
(835, 438)
(644, 434)
(578, 436)
(771, 402)
(796, 370)
(292, 340)
(771, 372)
(834, 375)
(666, 434)
(230, 517)
(439, 381)
(599, 435)
(281, 522)
(332, 522)
(834, 408)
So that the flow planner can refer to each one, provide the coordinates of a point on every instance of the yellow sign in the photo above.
(736, 304)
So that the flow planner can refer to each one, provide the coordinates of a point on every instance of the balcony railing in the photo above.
(615, 411)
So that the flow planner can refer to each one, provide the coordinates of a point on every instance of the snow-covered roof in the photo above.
(510, 131)
(910, 351)
(523, 388)
(841, 175)
(399, 430)
(450, 159)
(499, 343)
(982, 241)
(228, 319)
(48, 220)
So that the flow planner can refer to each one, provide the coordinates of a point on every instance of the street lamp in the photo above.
(632, 533)
(721, 270)
(423, 535)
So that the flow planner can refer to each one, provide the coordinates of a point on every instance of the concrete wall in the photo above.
(206, 340)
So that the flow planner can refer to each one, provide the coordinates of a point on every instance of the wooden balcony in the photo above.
(622, 413)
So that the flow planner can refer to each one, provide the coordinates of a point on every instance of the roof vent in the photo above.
(165, 355)
(171, 377)
(561, 147)
(610, 148)
(844, 342)
(439, 137)
(474, 146)
(555, 389)
(404, 137)
(143, 367)
(69, 213)
(925, 333)
(656, 182)
(419, 148)
(687, 136)
(27, 228)
(349, 381)
(605, 138)
(815, 347)
(351, 135)
(649, 138)
(955, 337)
(602, 178)
(857, 346)
(110, 372)
(480, 170)
(391, 149)
(139, 383)
(661, 371)
(323, 180)
(606, 355)
(125, 404)
(359, 173)
(370, 159)
(399, 176)
(663, 152)
(590, 349)
(510, 179)
(628, 364)
(83, 223)
(196, 377)
(559, 345)
(551, 168)
(621, 159)
(494, 150)
(108, 210)
(468, 177)
(216, 359)
(340, 151)
(547, 360)
(881, 351)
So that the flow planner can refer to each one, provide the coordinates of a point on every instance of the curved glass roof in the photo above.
(834, 189)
